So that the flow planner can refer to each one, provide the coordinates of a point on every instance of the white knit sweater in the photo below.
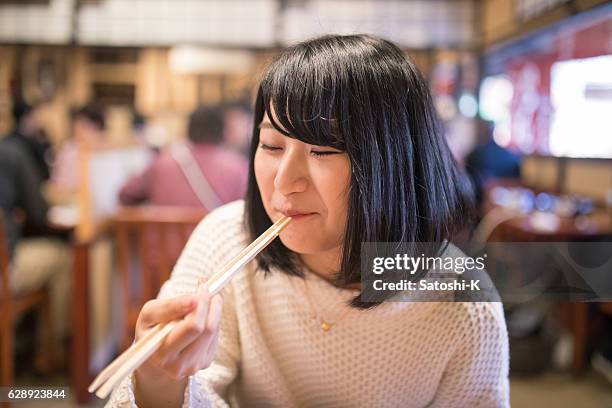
(273, 353)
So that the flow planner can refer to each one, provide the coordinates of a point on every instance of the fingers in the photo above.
(189, 329)
(200, 353)
(212, 350)
(191, 344)
(216, 312)
(165, 310)
(203, 344)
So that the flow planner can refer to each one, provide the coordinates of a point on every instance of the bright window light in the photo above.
(495, 97)
(581, 94)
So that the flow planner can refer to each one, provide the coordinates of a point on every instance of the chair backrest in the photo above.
(148, 243)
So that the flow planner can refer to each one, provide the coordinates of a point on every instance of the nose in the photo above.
(291, 174)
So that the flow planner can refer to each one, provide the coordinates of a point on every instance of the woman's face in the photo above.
(309, 183)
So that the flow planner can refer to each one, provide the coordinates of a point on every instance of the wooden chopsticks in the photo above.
(134, 356)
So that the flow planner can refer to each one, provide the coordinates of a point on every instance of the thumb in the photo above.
(165, 310)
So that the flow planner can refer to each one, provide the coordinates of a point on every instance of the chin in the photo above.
(305, 242)
(300, 244)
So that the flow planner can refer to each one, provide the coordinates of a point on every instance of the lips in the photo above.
(295, 214)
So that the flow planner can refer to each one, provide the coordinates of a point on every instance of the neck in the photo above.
(326, 265)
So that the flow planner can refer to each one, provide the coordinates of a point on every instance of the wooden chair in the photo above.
(11, 308)
(148, 243)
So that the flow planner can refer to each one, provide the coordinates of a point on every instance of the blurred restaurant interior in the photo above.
(96, 92)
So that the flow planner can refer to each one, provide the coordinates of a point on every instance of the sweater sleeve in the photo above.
(210, 246)
(477, 373)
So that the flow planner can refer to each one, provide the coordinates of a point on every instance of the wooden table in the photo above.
(79, 368)
(522, 229)
(578, 314)
(81, 309)
(60, 219)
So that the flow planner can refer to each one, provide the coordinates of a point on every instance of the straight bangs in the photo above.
(301, 94)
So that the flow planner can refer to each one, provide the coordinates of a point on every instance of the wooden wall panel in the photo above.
(7, 64)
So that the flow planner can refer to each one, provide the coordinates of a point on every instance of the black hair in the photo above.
(20, 110)
(362, 95)
(206, 125)
(92, 113)
(138, 120)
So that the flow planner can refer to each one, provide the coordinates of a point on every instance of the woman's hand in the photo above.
(191, 344)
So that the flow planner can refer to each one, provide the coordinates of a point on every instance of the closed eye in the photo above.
(316, 153)
(320, 153)
(268, 147)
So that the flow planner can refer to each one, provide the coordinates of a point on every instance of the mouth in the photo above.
(296, 215)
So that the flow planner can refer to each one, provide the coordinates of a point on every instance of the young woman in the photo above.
(346, 142)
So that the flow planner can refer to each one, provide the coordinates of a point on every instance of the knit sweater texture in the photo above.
(273, 352)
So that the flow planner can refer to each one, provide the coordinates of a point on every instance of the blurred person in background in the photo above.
(39, 260)
(88, 127)
(28, 132)
(140, 131)
(489, 161)
(238, 119)
(196, 173)
(139, 124)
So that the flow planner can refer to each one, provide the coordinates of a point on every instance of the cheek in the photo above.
(333, 189)
(264, 174)
(336, 186)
